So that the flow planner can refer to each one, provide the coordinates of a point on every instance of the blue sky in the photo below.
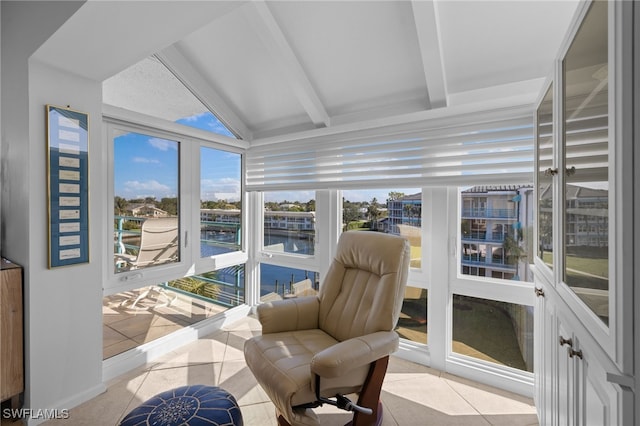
(148, 167)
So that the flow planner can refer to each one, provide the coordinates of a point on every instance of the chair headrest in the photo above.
(375, 252)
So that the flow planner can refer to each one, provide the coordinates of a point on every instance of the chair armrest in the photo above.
(300, 313)
(339, 359)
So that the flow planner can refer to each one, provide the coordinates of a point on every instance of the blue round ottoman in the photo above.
(187, 405)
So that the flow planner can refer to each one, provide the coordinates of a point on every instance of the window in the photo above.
(587, 151)
(148, 87)
(224, 287)
(495, 231)
(220, 202)
(397, 211)
(146, 203)
(157, 212)
(545, 177)
(412, 324)
(493, 331)
(288, 265)
(280, 282)
(290, 222)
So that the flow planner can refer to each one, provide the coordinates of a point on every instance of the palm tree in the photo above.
(120, 205)
(512, 250)
(373, 213)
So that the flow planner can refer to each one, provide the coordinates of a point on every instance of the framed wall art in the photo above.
(68, 186)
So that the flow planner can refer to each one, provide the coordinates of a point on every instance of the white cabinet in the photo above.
(584, 274)
(572, 371)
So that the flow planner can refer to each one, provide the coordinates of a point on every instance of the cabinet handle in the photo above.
(539, 292)
(573, 353)
(570, 171)
(564, 341)
(551, 172)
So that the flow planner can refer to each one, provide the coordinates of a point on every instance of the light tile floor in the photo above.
(412, 394)
(129, 322)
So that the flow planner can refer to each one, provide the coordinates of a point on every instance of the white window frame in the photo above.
(284, 259)
(190, 141)
(515, 292)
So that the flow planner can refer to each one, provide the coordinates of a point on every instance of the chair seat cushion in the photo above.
(281, 363)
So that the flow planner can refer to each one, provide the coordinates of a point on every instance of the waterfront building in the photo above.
(292, 221)
(146, 210)
(406, 210)
(494, 220)
(283, 220)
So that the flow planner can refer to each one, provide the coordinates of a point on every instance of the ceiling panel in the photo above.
(358, 55)
(490, 43)
(233, 59)
(277, 67)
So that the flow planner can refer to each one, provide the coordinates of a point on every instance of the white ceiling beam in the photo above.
(193, 80)
(426, 21)
(275, 41)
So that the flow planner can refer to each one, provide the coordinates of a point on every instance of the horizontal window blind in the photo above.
(586, 140)
(488, 147)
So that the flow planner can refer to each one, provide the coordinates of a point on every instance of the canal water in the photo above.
(269, 274)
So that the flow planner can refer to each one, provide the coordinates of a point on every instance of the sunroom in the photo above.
(258, 132)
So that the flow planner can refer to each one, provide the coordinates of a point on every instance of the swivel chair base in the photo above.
(369, 397)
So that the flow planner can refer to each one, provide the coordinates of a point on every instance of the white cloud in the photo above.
(229, 196)
(162, 144)
(145, 160)
(150, 188)
(220, 189)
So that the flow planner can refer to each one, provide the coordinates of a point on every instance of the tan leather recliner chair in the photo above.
(338, 342)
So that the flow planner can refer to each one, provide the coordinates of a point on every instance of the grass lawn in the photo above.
(416, 257)
(484, 331)
(480, 330)
(585, 272)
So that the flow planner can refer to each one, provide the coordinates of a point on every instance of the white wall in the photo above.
(65, 333)
(63, 317)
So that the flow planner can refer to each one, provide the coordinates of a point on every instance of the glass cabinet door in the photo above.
(544, 160)
(586, 168)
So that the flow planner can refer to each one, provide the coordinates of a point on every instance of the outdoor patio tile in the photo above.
(134, 326)
(158, 327)
(118, 348)
(111, 336)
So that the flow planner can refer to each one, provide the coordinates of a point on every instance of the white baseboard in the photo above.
(413, 352)
(506, 378)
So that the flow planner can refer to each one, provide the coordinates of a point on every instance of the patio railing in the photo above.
(215, 238)
(222, 235)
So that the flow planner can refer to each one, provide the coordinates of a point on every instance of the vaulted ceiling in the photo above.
(269, 68)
